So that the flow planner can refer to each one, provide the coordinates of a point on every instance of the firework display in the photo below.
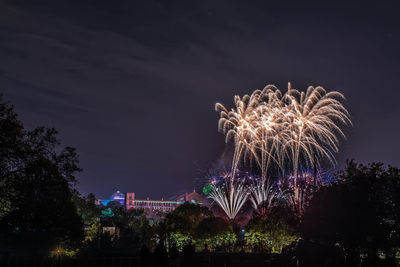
(271, 126)
(230, 196)
(283, 134)
(263, 196)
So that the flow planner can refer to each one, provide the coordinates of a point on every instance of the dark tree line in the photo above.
(359, 215)
(36, 179)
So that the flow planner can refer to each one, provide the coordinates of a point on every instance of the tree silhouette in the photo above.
(36, 180)
(360, 214)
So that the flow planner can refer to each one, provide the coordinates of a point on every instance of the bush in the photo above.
(269, 236)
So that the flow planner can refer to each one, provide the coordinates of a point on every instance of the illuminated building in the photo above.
(150, 205)
(193, 197)
(129, 201)
(117, 196)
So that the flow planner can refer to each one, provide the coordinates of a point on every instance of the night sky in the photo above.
(132, 84)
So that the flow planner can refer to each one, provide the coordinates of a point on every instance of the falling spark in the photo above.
(230, 196)
(314, 121)
(238, 125)
(276, 128)
(263, 196)
(288, 132)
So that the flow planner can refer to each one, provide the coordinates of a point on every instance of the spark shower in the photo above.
(281, 134)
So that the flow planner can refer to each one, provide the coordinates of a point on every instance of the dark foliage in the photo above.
(212, 226)
(186, 218)
(360, 214)
(36, 177)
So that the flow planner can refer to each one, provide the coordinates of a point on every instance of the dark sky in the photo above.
(132, 84)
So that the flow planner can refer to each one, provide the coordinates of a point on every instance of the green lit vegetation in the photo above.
(269, 236)
(60, 252)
